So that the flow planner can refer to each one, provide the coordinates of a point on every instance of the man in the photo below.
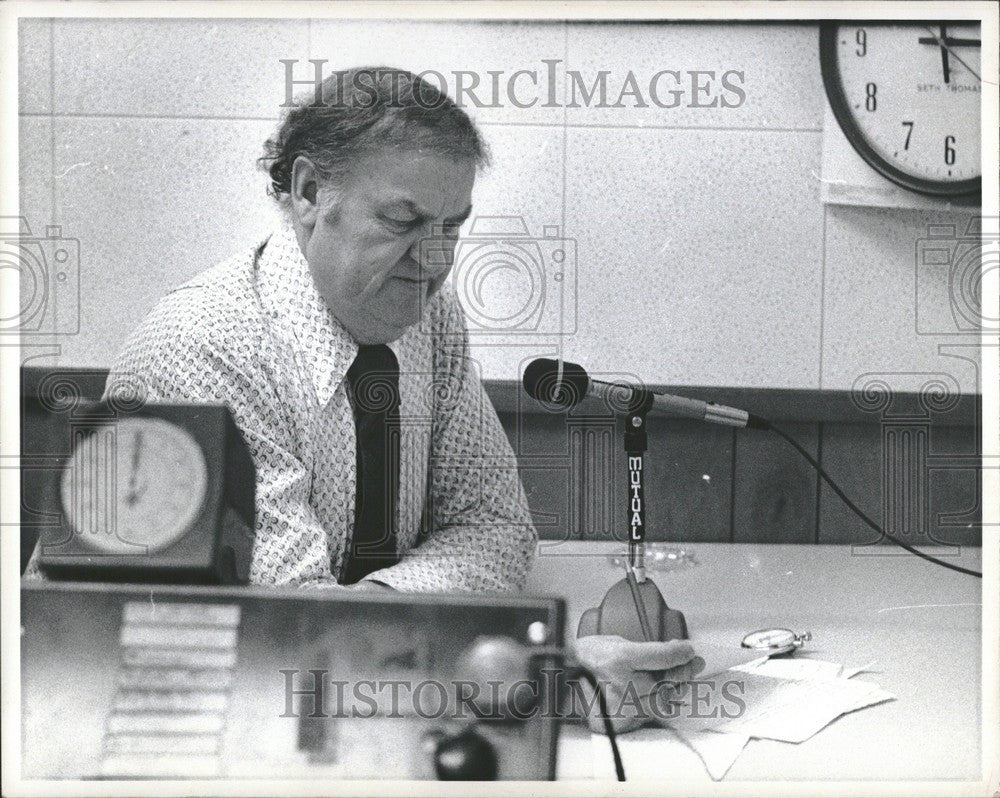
(374, 185)
(342, 354)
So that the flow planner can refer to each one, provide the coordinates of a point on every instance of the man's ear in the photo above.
(305, 191)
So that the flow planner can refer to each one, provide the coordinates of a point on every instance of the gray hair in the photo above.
(357, 111)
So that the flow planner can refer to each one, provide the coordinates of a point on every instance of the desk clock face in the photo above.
(135, 486)
(908, 99)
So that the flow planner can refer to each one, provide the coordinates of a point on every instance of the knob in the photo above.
(467, 756)
(498, 669)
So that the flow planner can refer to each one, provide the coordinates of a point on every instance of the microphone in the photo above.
(634, 607)
(544, 382)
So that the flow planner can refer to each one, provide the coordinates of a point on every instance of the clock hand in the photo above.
(944, 55)
(134, 473)
(944, 44)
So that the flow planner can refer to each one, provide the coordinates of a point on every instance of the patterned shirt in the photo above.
(254, 333)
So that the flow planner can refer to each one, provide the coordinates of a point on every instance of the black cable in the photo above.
(559, 653)
(761, 423)
(609, 728)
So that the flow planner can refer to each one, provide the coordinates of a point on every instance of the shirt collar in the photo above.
(289, 296)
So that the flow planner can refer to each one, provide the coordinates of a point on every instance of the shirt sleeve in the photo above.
(481, 534)
(190, 362)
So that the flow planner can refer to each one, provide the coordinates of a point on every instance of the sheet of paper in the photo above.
(785, 699)
(850, 673)
(782, 717)
(803, 668)
(717, 750)
(794, 710)
(721, 658)
(794, 668)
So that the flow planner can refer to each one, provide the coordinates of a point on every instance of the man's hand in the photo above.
(637, 678)
(329, 583)
(371, 584)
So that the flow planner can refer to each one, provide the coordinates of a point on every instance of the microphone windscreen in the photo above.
(541, 381)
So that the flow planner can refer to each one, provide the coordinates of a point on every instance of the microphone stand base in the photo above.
(618, 615)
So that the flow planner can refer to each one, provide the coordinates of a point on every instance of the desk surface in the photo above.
(919, 623)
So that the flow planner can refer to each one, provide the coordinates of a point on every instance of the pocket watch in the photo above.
(775, 641)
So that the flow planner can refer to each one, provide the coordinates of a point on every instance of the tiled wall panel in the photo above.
(153, 202)
(226, 68)
(708, 262)
(702, 252)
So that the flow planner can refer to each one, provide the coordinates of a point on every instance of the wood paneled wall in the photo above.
(910, 461)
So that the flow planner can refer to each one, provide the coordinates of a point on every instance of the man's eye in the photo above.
(401, 225)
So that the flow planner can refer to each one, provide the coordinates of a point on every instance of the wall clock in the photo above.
(907, 96)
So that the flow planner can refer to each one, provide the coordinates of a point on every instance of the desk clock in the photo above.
(164, 494)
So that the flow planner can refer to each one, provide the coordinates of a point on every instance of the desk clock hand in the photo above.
(132, 495)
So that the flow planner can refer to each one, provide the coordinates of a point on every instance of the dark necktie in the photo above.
(374, 383)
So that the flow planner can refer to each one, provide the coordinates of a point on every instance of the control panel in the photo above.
(229, 682)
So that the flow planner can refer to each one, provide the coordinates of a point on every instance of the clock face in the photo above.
(135, 486)
(908, 98)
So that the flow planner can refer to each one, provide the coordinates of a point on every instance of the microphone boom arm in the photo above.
(567, 384)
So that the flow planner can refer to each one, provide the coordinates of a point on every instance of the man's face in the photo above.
(364, 251)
